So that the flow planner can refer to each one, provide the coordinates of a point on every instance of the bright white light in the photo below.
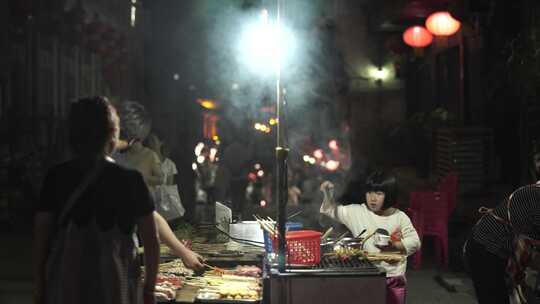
(257, 166)
(312, 160)
(380, 73)
(194, 166)
(176, 76)
(213, 152)
(306, 158)
(332, 165)
(198, 148)
(264, 46)
(133, 15)
(333, 144)
(263, 203)
(200, 159)
(260, 173)
(257, 126)
(318, 153)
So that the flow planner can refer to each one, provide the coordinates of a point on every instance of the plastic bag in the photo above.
(168, 202)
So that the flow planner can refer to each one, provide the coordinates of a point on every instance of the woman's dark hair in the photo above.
(135, 122)
(380, 181)
(92, 123)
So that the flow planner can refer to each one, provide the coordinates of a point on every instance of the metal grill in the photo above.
(329, 264)
(335, 265)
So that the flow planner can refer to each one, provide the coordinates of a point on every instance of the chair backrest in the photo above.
(449, 184)
(433, 207)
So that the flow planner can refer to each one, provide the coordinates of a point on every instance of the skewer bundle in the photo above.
(267, 225)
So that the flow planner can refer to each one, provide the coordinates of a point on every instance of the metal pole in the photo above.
(281, 157)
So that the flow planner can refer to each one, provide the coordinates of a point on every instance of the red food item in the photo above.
(172, 280)
(247, 271)
(395, 236)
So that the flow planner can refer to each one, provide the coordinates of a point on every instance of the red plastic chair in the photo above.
(433, 208)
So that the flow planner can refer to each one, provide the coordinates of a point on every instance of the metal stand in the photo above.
(282, 153)
(281, 182)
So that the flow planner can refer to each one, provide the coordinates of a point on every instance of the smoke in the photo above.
(308, 75)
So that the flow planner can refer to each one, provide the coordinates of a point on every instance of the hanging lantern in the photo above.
(417, 36)
(442, 24)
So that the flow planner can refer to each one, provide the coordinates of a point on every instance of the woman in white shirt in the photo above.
(378, 214)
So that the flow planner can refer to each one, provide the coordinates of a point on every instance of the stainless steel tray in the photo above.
(220, 300)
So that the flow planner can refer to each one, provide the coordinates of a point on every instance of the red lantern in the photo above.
(417, 36)
(442, 24)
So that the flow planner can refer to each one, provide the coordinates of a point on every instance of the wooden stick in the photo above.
(327, 233)
(341, 236)
(264, 225)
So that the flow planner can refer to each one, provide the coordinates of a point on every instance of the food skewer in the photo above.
(341, 236)
(218, 270)
(265, 225)
(327, 233)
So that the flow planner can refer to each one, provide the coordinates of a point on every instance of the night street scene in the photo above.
(270, 151)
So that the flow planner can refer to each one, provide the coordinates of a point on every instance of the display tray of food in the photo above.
(166, 287)
(175, 267)
(230, 289)
(346, 253)
(241, 284)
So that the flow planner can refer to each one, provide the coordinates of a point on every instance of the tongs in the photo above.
(218, 270)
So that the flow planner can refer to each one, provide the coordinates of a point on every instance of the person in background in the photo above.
(167, 195)
(374, 215)
(501, 247)
(135, 125)
(168, 167)
(84, 244)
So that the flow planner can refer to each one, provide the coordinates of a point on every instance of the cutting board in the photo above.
(187, 294)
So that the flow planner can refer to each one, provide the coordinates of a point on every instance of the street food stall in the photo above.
(336, 271)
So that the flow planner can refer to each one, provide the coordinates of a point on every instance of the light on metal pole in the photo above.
(265, 46)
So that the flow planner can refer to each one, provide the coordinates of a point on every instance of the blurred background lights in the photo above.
(198, 148)
(213, 152)
(318, 154)
(332, 165)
